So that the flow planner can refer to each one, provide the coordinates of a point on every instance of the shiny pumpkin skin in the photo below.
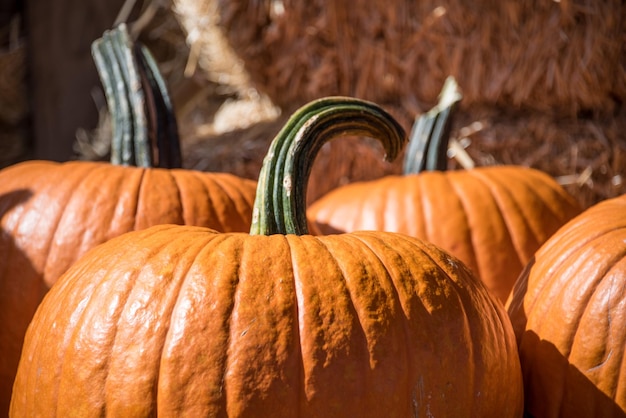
(569, 310)
(52, 213)
(492, 218)
(184, 321)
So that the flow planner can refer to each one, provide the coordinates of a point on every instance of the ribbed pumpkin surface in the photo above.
(196, 323)
(52, 213)
(492, 218)
(569, 314)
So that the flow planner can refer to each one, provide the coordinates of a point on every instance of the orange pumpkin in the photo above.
(51, 213)
(568, 309)
(186, 321)
(492, 218)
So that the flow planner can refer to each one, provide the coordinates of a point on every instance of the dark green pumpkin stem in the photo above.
(280, 205)
(428, 140)
(145, 132)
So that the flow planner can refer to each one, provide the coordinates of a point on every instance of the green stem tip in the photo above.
(430, 134)
(144, 128)
(280, 205)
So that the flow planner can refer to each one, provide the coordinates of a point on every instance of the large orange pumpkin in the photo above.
(51, 213)
(492, 218)
(569, 314)
(186, 321)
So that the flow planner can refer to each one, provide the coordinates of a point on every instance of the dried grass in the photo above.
(510, 80)
(547, 80)
(561, 57)
(588, 157)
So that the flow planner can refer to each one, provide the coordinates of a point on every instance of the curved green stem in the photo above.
(144, 128)
(123, 47)
(110, 73)
(280, 205)
(428, 141)
(164, 125)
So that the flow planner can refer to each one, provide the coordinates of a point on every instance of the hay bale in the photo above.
(587, 156)
(545, 81)
(563, 57)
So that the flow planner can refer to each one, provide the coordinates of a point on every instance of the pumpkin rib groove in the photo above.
(365, 244)
(465, 204)
(328, 243)
(179, 196)
(78, 316)
(568, 312)
(594, 287)
(610, 278)
(299, 307)
(164, 289)
(417, 206)
(400, 264)
(570, 239)
(468, 327)
(113, 331)
(236, 255)
(425, 207)
(557, 269)
(75, 192)
(138, 197)
(216, 183)
(97, 316)
(373, 356)
(481, 259)
(572, 242)
(451, 265)
(174, 373)
(210, 208)
(106, 284)
(247, 198)
(87, 221)
(314, 299)
(622, 364)
(227, 184)
(31, 378)
(25, 226)
(347, 277)
(546, 193)
(506, 214)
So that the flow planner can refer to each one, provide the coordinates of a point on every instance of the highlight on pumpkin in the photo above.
(52, 213)
(178, 320)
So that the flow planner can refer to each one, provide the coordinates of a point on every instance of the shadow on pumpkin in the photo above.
(553, 387)
(17, 295)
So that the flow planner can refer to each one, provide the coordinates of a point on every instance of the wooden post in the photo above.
(62, 71)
